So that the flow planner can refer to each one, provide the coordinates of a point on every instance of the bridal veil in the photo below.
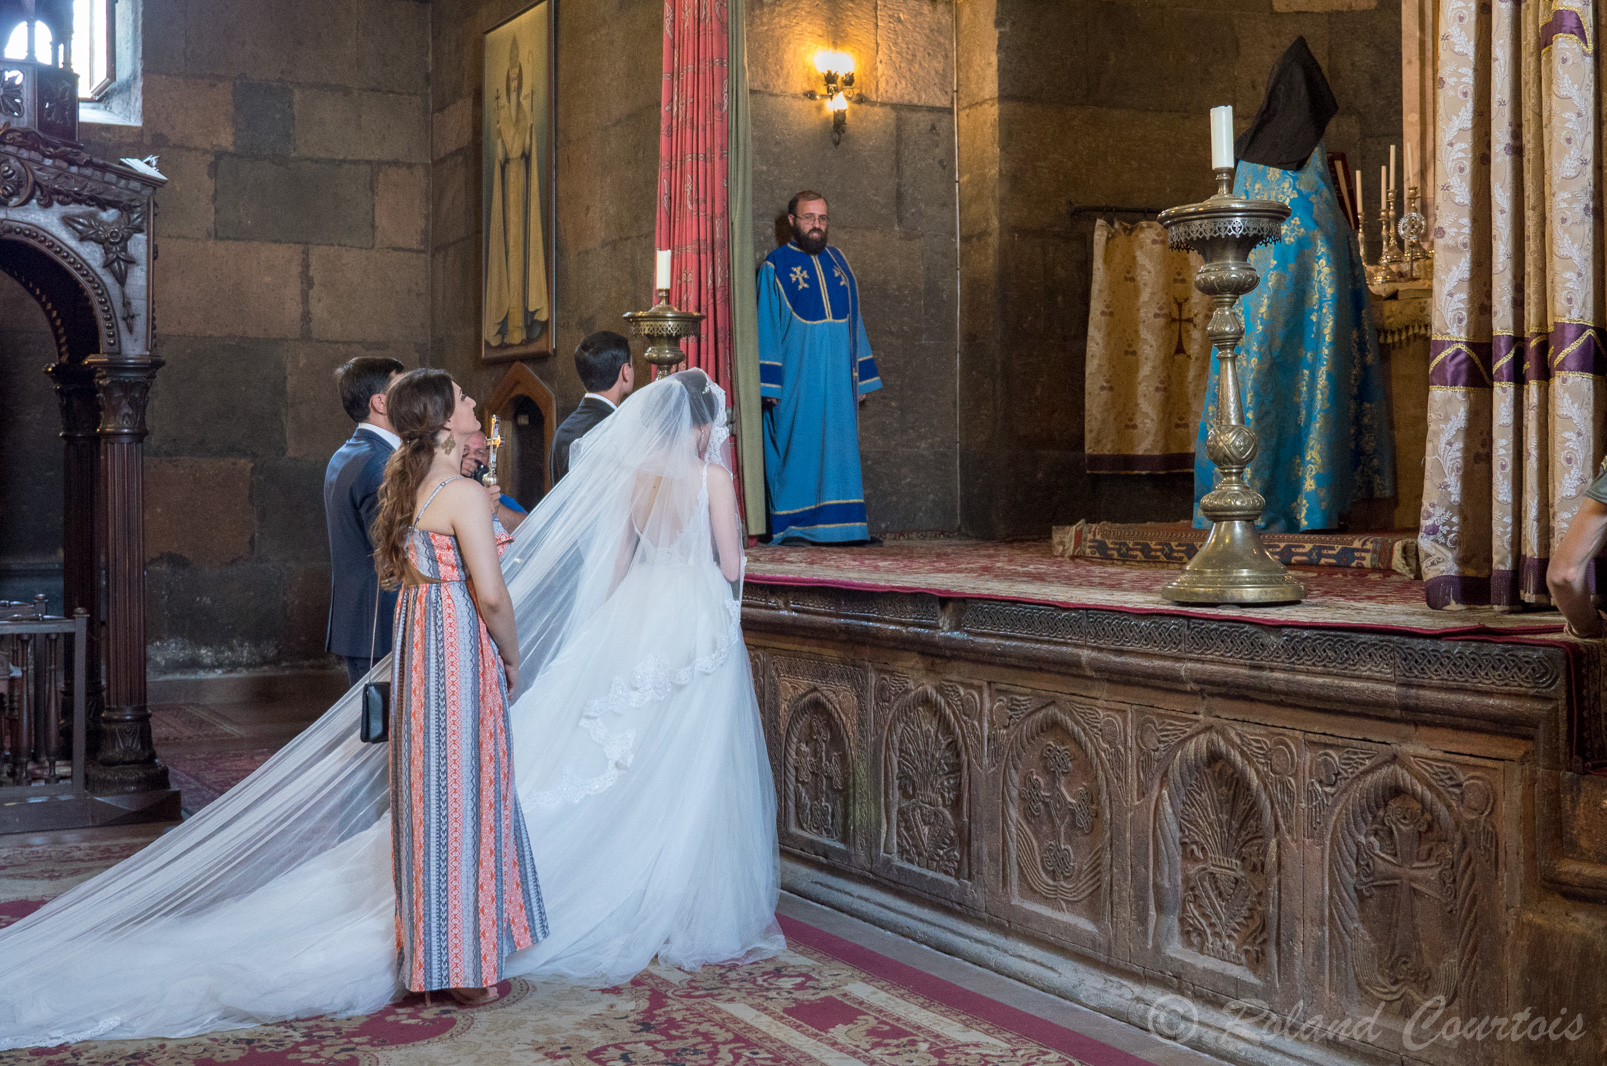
(275, 901)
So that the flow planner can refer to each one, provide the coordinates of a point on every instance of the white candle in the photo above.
(1222, 138)
(661, 272)
(1383, 187)
(1411, 176)
(1361, 219)
(1392, 166)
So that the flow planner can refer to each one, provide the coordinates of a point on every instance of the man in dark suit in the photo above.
(351, 500)
(603, 361)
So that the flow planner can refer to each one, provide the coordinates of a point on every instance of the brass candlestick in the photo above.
(1390, 256)
(1412, 227)
(666, 326)
(1232, 566)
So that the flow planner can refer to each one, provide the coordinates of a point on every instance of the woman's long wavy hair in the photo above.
(419, 405)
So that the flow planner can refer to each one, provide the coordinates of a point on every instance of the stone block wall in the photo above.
(610, 53)
(291, 237)
(891, 191)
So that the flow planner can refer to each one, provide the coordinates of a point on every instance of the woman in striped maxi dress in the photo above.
(466, 889)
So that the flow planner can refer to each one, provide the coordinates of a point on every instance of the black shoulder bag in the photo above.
(375, 724)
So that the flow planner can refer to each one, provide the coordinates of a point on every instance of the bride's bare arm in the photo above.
(723, 522)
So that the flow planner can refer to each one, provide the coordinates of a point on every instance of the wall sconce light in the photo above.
(838, 70)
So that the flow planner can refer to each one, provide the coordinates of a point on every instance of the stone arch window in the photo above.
(35, 34)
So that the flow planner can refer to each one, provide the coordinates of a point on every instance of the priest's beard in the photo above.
(812, 241)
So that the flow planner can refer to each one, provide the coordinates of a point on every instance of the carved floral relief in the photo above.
(1216, 855)
(924, 770)
(1057, 817)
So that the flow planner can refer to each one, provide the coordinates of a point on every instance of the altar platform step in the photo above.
(1198, 818)
(1173, 544)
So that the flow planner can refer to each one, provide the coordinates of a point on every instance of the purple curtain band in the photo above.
(1564, 23)
(1577, 348)
(1458, 363)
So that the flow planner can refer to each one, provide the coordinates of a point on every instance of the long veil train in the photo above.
(638, 758)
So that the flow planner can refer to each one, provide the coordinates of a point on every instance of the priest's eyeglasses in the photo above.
(811, 218)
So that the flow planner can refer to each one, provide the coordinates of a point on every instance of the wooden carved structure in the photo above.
(76, 233)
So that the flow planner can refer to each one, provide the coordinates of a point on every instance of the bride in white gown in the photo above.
(638, 758)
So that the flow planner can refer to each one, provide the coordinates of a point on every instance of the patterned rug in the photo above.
(1031, 572)
(822, 1001)
(184, 723)
(1174, 544)
(203, 776)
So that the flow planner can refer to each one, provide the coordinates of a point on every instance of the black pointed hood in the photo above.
(1294, 113)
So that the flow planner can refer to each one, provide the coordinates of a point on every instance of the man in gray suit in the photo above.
(351, 500)
(603, 361)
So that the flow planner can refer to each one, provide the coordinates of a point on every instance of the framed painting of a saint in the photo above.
(518, 187)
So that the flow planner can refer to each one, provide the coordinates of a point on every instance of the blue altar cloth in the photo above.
(1314, 388)
(815, 362)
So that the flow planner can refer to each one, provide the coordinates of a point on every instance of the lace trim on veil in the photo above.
(650, 682)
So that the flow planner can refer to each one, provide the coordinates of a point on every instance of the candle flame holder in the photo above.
(665, 327)
(1232, 566)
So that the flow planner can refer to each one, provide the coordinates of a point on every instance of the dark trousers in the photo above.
(357, 668)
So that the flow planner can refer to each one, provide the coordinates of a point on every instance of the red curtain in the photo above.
(693, 201)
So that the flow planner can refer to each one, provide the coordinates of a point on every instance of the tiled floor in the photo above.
(203, 721)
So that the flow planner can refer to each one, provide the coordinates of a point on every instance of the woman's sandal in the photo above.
(475, 997)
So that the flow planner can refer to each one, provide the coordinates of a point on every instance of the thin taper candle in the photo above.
(1411, 175)
(1392, 184)
(1361, 219)
(1383, 187)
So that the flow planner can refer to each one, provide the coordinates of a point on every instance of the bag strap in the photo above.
(373, 636)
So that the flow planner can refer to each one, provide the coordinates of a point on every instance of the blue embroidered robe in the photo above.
(1309, 365)
(815, 361)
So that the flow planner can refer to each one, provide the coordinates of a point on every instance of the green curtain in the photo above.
(744, 306)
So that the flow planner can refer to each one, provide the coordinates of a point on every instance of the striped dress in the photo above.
(466, 888)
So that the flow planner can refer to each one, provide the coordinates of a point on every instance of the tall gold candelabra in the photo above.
(1232, 566)
(666, 327)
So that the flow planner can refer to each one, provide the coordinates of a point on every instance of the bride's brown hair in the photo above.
(419, 404)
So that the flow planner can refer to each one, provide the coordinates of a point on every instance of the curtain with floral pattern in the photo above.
(1516, 397)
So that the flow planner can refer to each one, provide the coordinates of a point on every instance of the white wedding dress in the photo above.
(638, 758)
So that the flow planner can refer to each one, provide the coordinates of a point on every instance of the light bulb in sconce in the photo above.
(837, 70)
(830, 61)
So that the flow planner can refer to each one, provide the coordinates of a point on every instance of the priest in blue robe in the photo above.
(1313, 382)
(815, 368)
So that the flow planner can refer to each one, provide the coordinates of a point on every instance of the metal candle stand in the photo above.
(666, 327)
(1232, 566)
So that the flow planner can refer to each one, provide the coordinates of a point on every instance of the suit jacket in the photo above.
(351, 500)
(580, 421)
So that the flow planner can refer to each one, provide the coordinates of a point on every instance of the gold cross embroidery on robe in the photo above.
(798, 277)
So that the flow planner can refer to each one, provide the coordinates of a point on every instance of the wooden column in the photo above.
(80, 423)
(125, 758)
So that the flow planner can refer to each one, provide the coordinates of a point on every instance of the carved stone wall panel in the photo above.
(1285, 854)
(1220, 900)
(930, 740)
(816, 737)
(1063, 809)
(1410, 911)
